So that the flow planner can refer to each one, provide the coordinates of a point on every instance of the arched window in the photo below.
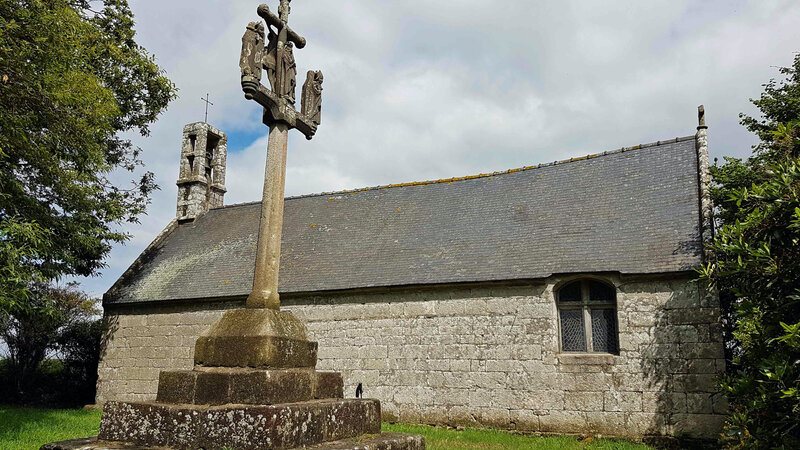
(587, 311)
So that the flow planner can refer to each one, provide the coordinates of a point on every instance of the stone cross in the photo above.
(277, 60)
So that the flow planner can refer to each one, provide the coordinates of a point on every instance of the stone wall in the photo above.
(143, 340)
(479, 356)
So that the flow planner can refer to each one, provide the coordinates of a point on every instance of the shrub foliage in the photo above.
(757, 271)
(59, 323)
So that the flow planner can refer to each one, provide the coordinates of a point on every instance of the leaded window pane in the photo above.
(573, 334)
(570, 292)
(601, 292)
(604, 330)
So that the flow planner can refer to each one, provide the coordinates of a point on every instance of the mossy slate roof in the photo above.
(633, 211)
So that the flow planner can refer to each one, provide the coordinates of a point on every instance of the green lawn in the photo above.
(25, 428)
(442, 438)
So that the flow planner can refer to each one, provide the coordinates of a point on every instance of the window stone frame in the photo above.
(586, 305)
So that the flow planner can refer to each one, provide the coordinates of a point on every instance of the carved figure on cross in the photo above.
(280, 115)
(277, 59)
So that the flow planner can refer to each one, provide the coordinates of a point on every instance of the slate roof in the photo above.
(633, 211)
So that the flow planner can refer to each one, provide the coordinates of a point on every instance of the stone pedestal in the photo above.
(254, 386)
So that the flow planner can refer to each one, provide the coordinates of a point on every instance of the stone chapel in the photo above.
(558, 297)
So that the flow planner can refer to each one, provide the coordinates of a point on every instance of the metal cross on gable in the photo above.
(207, 104)
(276, 60)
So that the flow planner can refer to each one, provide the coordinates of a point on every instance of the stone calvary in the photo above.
(254, 384)
(558, 297)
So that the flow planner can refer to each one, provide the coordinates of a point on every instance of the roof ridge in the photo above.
(481, 175)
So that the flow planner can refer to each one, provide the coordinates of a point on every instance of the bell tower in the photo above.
(201, 181)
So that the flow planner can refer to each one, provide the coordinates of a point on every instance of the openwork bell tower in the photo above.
(201, 182)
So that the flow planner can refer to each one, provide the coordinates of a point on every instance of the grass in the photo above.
(442, 438)
(27, 428)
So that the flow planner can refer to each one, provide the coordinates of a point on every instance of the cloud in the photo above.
(418, 90)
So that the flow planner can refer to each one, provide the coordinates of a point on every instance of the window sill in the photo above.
(586, 358)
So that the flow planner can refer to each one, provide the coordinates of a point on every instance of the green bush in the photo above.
(80, 346)
(64, 383)
(53, 348)
(757, 270)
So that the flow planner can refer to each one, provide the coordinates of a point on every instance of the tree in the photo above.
(757, 270)
(79, 348)
(72, 81)
(54, 319)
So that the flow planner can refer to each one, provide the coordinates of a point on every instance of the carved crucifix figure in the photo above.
(277, 59)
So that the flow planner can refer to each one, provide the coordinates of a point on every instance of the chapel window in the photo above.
(587, 311)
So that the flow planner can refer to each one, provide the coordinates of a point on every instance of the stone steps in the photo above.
(383, 441)
(223, 385)
(254, 386)
(239, 426)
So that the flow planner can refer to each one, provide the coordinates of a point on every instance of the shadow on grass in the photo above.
(437, 438)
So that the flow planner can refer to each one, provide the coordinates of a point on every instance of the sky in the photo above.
(417, 90)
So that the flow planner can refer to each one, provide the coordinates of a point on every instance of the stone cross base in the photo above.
(221, 386)
(383, 441)
(256, 338)
(254, 386)
(240, 426)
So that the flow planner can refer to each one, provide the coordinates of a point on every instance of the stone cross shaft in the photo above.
(280, 115)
